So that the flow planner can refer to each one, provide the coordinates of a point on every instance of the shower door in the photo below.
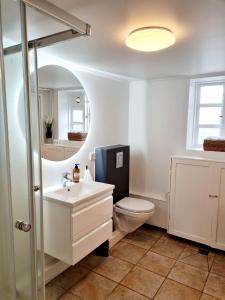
(21, 247)
(21, 223)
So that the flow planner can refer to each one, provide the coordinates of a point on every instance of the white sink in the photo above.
(74, 193)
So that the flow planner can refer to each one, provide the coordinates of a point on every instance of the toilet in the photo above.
(130, 213)
(112, 165)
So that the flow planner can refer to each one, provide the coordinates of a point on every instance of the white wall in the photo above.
(157, 130)
(109, 103)
(63, 115)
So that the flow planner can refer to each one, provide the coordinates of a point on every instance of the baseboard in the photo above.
(158, 197)
(116, 237)
(53, 269)
(160, 218)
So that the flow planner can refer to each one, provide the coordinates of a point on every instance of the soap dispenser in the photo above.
(76, 173)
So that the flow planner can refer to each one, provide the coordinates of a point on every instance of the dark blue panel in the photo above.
(106, 171)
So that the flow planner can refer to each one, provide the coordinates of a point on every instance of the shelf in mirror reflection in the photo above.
(60, 151)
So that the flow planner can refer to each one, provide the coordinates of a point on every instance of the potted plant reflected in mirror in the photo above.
(48, 130)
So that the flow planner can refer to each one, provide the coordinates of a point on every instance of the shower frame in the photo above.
(76, 29)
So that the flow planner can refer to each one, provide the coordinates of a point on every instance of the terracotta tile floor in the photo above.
(147, 264)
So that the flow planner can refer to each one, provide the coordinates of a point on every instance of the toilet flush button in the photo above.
(119, 160)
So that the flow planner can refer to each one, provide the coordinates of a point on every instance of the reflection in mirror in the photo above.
(64, 113)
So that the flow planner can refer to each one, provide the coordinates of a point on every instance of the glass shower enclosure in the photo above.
(21, 220)
(21, 246)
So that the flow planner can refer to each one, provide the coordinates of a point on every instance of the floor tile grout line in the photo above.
(194, 267)
(154, 272)
(127, 242)
(185, 285)
(134, 290)
(213, 259)
(92, 271)
(134, 265)
(167, 278)
(137, 264)
(217, 274)
(127, 260)
(130, 261)
(122, 260)
(188, 285)
(112, 291)
(134, 244)
(212, 296)
(68, 289)
(68, 292)
(61, 295)
(178, 258)
(189, 255)
(156, 240)
(206, 281)
(159, 287)
(164, 255)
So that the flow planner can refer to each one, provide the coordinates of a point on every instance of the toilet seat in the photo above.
(136, 215)
(135, 205)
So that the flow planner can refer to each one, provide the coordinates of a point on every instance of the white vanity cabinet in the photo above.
(74, 228)
(197, 200)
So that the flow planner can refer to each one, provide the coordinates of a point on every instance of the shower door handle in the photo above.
(23, 226)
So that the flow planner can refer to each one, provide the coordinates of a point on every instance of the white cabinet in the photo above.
(197, 201)
(72, 232)
(220, 232)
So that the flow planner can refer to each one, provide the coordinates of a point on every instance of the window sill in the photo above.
(195, 149)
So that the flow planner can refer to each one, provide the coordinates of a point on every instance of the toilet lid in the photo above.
(135, 204)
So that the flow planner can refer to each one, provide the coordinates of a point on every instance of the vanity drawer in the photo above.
(91, 217)
(91, 241)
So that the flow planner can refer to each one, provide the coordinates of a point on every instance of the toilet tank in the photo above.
(112, 166)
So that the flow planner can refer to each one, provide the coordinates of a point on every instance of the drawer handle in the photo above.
(213, 196)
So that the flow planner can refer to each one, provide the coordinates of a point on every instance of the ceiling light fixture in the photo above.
(77, 99)
(150, 39)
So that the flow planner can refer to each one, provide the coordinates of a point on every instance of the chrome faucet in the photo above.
(66, 177)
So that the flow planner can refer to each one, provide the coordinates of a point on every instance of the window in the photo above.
(206, 110)
(77, 120)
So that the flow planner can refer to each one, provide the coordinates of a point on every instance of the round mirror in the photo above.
(64, 113)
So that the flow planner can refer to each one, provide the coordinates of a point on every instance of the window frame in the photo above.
(194, 109)
(76, 123)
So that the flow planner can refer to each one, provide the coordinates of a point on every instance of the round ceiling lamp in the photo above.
(77, 99)
(150, 39)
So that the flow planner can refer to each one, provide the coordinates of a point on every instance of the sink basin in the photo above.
(74, 193)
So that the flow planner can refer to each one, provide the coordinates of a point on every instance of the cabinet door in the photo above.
(220, 234)
(191, 211)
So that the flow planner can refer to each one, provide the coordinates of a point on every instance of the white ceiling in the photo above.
(56, 77)
(199, 27)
